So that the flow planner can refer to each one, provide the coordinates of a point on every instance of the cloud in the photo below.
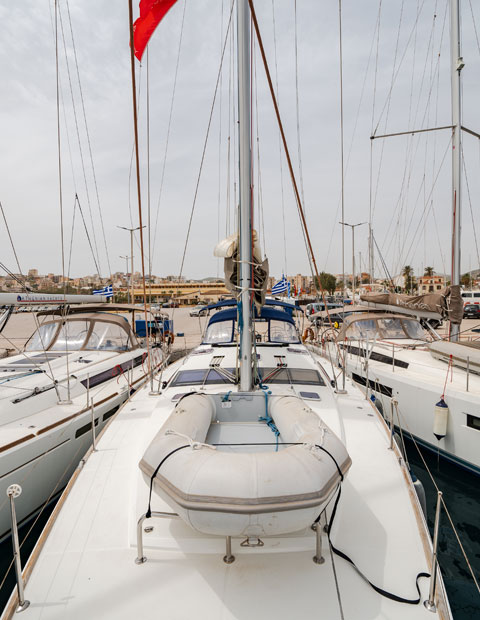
(403, 168)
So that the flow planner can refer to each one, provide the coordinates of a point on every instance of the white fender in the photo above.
(440, 419)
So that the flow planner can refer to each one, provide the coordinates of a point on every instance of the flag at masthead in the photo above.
(151, 14)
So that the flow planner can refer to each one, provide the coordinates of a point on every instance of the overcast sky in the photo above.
(407, 186)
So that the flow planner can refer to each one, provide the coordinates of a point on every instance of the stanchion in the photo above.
(14, 491)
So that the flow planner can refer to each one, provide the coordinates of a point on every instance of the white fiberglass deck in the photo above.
(86, 567)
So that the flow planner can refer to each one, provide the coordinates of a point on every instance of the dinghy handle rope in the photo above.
(148, 514)
(341, 554)
(267, 418)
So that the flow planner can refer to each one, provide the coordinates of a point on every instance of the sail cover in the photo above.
(228, 250)
(448, 305)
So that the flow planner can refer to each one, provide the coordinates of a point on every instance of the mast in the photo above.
(245, 186)
(457, 66)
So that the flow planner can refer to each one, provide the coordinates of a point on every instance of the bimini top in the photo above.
(271, 325)
(382, 327)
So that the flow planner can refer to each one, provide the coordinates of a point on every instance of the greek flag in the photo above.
(281, 286)
(107, 291)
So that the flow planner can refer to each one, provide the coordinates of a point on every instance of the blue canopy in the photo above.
(267, 314)
(268, 302)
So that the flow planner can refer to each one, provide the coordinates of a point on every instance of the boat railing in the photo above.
(141, 558)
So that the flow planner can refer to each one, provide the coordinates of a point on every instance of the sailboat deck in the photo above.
(87, 568)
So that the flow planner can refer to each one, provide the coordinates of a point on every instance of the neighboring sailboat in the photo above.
(434, 384)
(74, 368)
(247, 452)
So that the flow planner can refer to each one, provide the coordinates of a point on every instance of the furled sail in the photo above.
(228, 250)
(446, 305)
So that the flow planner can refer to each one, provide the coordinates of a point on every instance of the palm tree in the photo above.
(429, 271)
(407, 273)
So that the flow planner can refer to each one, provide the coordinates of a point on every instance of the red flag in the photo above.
(151, 14)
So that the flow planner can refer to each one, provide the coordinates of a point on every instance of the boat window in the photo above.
(274, 375)
(42, 338)
(207, 376)
(305, 376)
(219, 332)
(473, 422)
(391, 328)
(215, 377)
(366, 328)
(415, 330)
(71, 336)
(281, 331)
(108, 337)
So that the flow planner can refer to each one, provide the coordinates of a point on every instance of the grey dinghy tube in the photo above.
(247, 493)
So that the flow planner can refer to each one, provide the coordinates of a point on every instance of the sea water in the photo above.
(461, 492)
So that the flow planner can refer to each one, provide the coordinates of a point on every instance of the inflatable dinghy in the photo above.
(248, 483)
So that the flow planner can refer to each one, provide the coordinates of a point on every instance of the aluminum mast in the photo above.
(245, 186)
(457, 66)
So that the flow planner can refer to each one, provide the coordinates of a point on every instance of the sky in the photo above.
(396, 77)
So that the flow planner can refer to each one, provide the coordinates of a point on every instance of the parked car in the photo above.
(336, 318)
(170, 304)
(311, 309)
(471, 311)
(200, 310)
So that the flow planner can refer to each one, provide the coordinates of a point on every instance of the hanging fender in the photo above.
(440, 419)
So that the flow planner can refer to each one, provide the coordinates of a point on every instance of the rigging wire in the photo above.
(394, 64)
(342, 171)
(87, 132)
(411, 153)
(470, 205)
(261, 214)
(139, 93)
(12, 244)
(167, 140)
(219, 193)
(299, 146)
(71, 235)
(60, 190)
(398, 68)
(350, 148)
(280, 145)
(80, 148)
(474, 25)
(205, 144)
(370, 190)
(426, 210)
(230, 93)
(308, 244)
(149, 225)
(139, 192)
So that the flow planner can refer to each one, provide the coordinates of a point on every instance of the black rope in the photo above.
(149, 510)
(341, 554)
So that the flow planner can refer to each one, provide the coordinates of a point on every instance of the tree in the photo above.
(466, 280)
(407, 273)
(429, 271)
(328, 282)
